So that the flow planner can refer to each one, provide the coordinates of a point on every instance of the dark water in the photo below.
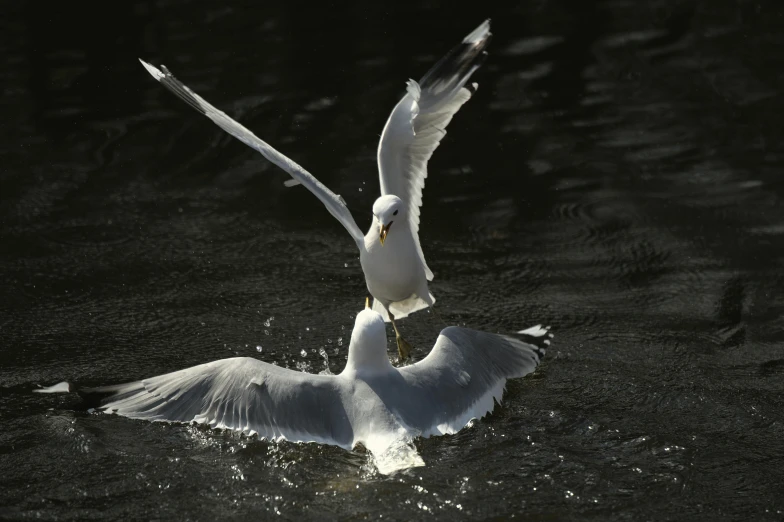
(617, 176)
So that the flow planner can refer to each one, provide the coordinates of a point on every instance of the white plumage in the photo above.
(392, 259)
(370, 403)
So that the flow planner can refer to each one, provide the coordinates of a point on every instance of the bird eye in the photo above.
(394, 213)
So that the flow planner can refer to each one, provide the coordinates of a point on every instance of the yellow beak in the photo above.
(367, 303)
(382, 236)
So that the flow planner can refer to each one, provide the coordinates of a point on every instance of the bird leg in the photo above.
(403, 347)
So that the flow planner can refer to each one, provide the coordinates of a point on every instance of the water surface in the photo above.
(617, 176)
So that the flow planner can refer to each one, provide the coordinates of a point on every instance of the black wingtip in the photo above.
(482, 32)
(458, 64)
(167, 79)
(537, 337)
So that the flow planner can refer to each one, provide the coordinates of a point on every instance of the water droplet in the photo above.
(303, 353)
(266, 332)
(360, 189)
(258, 348)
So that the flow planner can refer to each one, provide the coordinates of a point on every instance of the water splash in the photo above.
(323, 354)
(398, 456)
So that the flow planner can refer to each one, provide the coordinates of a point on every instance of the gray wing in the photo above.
(418, 124)
(332, 201)
(242, 394)
(464, 374)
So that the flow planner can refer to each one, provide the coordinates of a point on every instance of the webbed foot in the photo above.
(404, 348)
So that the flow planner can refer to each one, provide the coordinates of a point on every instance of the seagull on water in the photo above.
(390, 253)
(370, 402)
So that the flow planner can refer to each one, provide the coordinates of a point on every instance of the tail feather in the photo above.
(401, 309)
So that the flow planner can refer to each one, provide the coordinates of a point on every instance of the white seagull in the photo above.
(371, 402)
(395, 270)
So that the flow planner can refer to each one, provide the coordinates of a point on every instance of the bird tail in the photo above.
(401, 309)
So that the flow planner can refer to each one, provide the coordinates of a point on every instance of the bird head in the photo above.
(367, 351)
(369, 324)
(386, 210)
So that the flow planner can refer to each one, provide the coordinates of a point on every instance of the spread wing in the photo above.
(242, 394)
(465, 373)
(418, 124)
(332, 201)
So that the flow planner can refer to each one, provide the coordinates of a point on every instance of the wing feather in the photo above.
(418, 124)
(465, 374)
(334, 203)
(242, 394)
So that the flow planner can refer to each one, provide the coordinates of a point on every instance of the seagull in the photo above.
(370, 402)
(390, 252)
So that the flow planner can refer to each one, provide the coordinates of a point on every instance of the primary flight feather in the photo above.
(370, 402)
(390, 252)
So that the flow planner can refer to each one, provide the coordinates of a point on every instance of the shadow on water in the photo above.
(616, 176)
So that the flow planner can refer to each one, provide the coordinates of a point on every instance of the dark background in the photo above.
(617, 176)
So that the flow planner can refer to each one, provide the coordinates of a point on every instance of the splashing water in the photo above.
(323, 354)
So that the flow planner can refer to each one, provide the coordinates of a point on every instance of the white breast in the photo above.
(393, 272)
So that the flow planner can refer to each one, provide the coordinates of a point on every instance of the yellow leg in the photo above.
(403, 347)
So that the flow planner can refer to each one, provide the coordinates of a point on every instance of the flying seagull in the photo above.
(391, 255)
(370, 403)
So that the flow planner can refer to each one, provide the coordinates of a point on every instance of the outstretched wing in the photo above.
(418, 124)
(464, 374)
(332, 201)
(242, 394)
